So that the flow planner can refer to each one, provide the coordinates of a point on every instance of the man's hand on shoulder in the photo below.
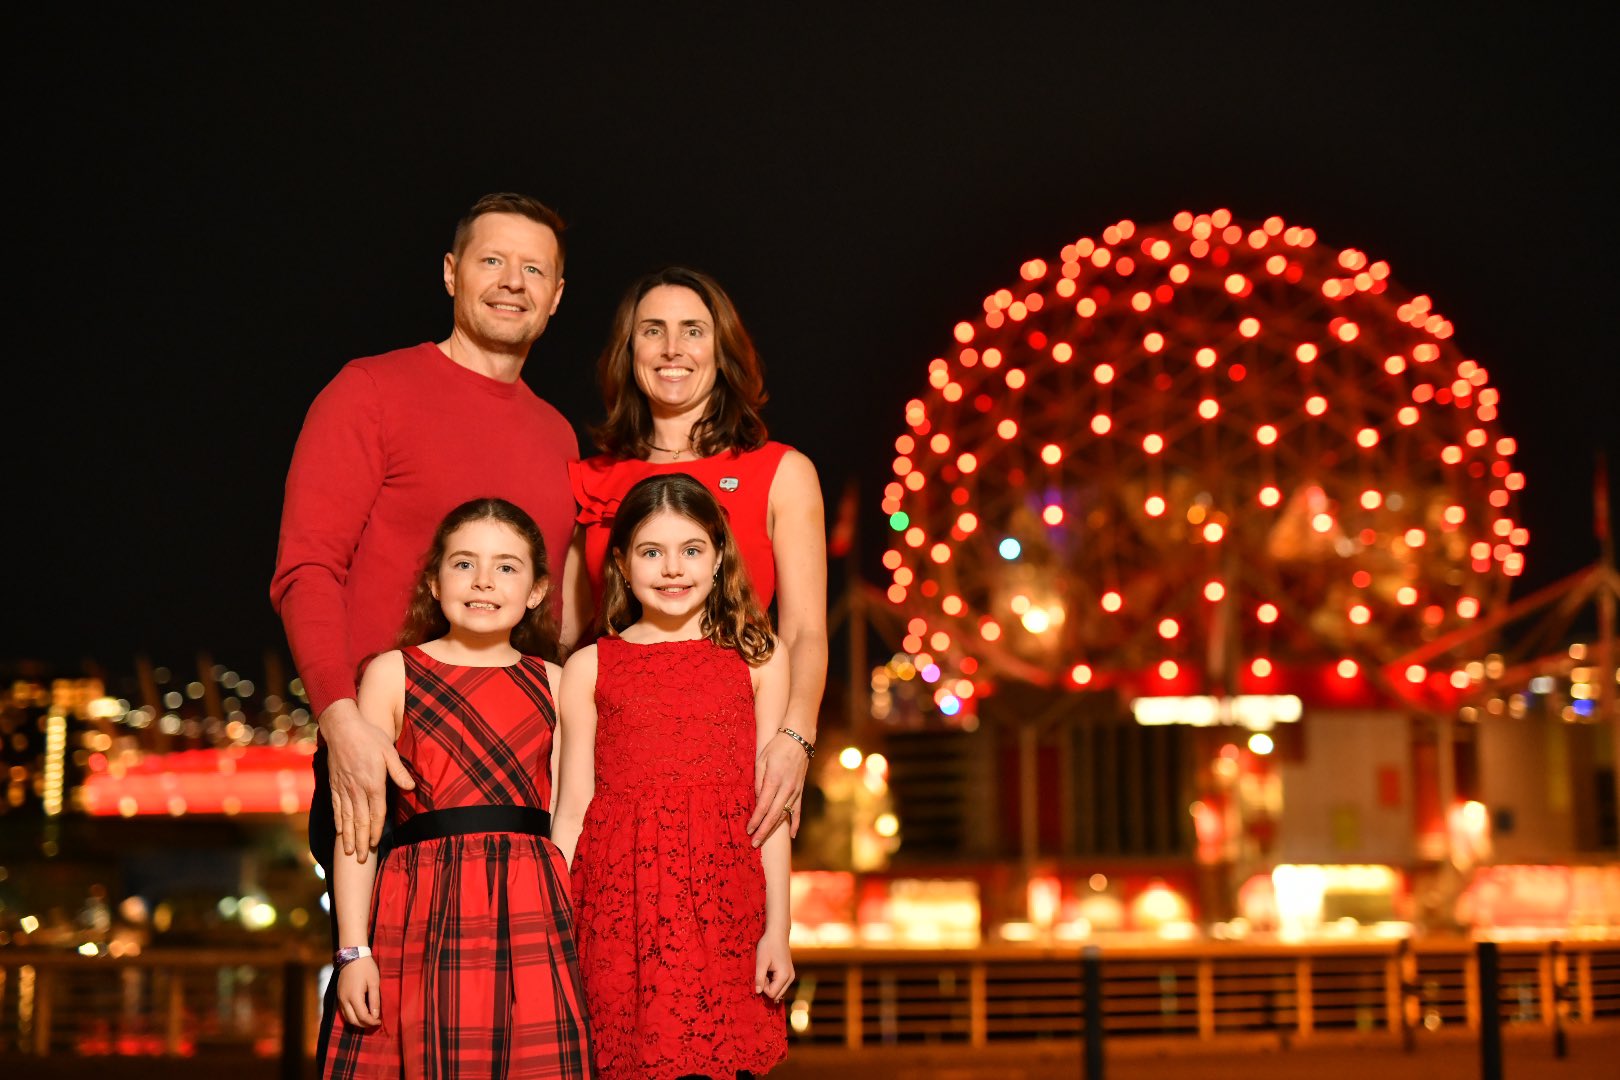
(361, 758)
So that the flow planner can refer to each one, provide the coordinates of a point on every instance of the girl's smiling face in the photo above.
(670, 566)
(486, 583)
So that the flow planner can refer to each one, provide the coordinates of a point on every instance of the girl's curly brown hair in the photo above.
(732, 617)
(536, 633)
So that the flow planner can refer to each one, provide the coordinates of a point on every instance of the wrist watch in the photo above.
(348, 955)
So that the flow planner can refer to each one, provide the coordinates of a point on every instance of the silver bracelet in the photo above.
(809, 747)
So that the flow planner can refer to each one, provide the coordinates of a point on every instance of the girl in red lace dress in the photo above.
(466, 965)
(682, 923)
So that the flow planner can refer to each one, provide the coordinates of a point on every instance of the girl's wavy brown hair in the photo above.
(732, 616)
(536, 633)
(730, 423)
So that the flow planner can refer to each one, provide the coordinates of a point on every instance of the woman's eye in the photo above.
(461, 564)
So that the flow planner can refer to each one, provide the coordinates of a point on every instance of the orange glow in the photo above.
(1265, 435)
(1455, 515)
(905, 444)
(1519, 537)
(1086, 307)
(1051, 453)
(1395, 365)
(940, 553)
(952, 392)
(1348, 331)
(1101, 423)
(967, 521)
(896, 594)
(1213, 591)
(1080, 674)
(904, 576)
(967, 462)
(1179, 273)
(1305, 353)
(1153, 506)
(991, 358)
(1209, 408)
(1506, 446)
(1361, 579)
(1406, 595)
(1169, 628)
(1416, 673)
(1052, 515)
(1513, 481)
(1347, 668)
(1480, 550)
(1266, 613)
(1316, 404)
(1371, 500)
(1476, 437)
(1213, 532)
(1249, 327)
(1015, 378)
(940, 641)
(1276, 265)
(1408, 415)
(1467, 607)
(1141, 301)
(1159, 249)
(1205, 357)
(1153, 342)
(1261, 667)
(914, 537)
(915, 481)
(1007, 428)
(1322, 523)
(1415, 538)
(1112, 601)
(1062, 352)
(1367, 438)
(1103, 373)
(902, 465)
(940, 443)
(1237, 284)
(952, 605)
(989, 629)
(1270, 496)
(891, 559)
(1168, 669)
(1360, 614)
(964, 332)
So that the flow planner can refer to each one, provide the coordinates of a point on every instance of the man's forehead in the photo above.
(511, 232)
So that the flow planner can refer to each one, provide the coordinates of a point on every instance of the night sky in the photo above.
(210, 218)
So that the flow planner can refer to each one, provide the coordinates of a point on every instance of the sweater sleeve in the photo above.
(336, 474)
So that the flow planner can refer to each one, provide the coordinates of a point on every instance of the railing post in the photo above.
(852, 1007)
(1558, 962)
(1206, 998)
(978, 1006)
(1490, 1012)
(174, 1014)
(1471, 1009)
(1304, 1003)
(1583, 984)
(293, 1011)
(44, 982)
(1091, 964)
(1546, 986)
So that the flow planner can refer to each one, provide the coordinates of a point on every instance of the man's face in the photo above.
(506, 282)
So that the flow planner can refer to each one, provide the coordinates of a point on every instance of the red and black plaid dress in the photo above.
(473, 933)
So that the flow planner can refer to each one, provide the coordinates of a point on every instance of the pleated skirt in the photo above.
(474, 941)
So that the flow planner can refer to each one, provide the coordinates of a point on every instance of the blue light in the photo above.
(950, 704)
(1010, 549)
(1583, 707)
(930, 673)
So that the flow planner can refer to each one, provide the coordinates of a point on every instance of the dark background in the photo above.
(211, 215)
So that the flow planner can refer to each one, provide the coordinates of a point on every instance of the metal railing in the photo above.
(265, 1004)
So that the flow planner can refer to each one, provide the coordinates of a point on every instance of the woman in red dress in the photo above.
(682, 386)
(458, 960)
(682, 923)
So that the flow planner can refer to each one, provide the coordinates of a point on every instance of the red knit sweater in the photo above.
(391, 445)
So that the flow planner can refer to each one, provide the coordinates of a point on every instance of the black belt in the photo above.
(463, 820)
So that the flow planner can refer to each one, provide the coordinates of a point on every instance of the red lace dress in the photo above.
(473, 932)
(669, 891)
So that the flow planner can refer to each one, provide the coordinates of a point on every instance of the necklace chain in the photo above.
(675, 453)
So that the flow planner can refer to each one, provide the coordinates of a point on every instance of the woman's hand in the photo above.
(359, 985)
(779, 773)
(361, 757)
(773, 966)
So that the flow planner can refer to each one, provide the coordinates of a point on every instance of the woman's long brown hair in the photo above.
(535, 634)
(731, 421)
(732, 617)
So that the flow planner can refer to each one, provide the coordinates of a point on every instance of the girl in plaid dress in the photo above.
(682, 923)
(458, 959)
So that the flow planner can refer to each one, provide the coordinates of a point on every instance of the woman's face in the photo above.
(672, 350)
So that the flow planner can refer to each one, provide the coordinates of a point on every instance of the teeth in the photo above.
(481, 606)
(506, 307)
(672, 374)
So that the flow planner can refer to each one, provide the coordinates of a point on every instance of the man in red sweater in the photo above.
(391, 445)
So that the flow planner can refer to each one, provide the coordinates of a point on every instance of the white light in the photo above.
(1010, 549)
(850, 757)
(1257, 712)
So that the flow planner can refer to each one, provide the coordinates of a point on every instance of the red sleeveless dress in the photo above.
(669, 891)
(741, 483)
(473, 934)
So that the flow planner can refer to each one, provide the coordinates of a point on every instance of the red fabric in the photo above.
(669, 891)
(473, 935)
(391, 445)
(742, 483)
